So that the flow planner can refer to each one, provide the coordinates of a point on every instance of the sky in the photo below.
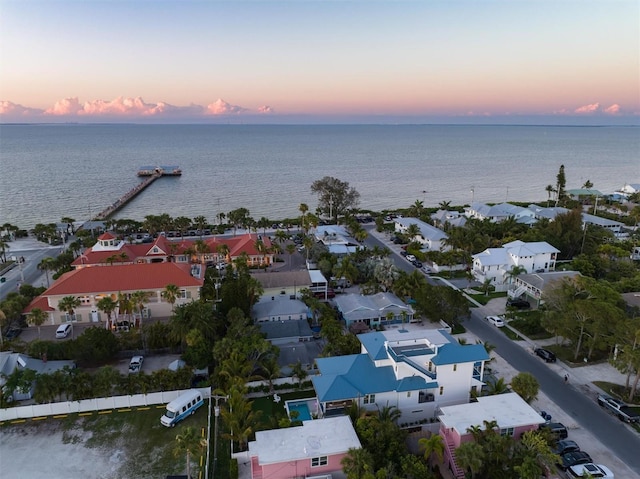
(498, 61)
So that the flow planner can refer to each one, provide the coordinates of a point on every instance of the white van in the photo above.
(181, 407)
(63, 331)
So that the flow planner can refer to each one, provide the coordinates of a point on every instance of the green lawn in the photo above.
(271, 412)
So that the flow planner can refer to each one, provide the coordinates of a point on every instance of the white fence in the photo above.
(91, 405)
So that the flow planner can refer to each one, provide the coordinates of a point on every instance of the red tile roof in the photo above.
(126, 277)
(39, 302)
(106, 236)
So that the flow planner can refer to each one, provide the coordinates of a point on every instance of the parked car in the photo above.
(545, 354)
(410, 258)
(426, 269)
(135, 365)
(63, 331)
(497, 321)
(564, 446)
(573, 458)
(518, 303)
(590, 470)
(403, 253)
(617, 407)
(417, 264)
(12, 333)
(556, 428)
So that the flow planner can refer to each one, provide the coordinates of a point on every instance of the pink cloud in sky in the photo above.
(221, 107)
(13, 109)
(591, 108)
(266, 110)
(613, 109)
(68, 106)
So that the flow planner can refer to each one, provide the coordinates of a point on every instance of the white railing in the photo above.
(92, 405)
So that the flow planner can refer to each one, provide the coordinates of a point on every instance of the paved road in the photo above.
(27, 272)
(619, 437)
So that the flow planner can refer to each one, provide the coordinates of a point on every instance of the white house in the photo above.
(497, 213)
(532, 285)
(336, 239)
(431, 237)
(416, 371)
(451, 218)
(11, 362)
(373, 310)
(495, 264)
(628, 189)
(277, 308)
(614, 227)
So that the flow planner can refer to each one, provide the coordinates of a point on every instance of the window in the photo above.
(408, 394)
(319, 461)
(441, 390)
(455, 367)
(424, 396)
(506, 432)
(369, 399)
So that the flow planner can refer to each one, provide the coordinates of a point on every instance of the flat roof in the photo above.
(317, 437)
(508, 410)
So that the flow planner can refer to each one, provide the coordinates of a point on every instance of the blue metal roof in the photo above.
(454, 353)
(374, 344)
(413, 383)
(348, 377)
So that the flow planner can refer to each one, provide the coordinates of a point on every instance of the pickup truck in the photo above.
(620, 409)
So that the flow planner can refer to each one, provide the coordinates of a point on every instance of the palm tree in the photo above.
(190, 443)
(139, 298)
(298, 372)
(444, 205)
(3, 250)
(412, 231)
(46, 265)
(269, 371)
(200, 222)
(515, 271)
(587, 185)
(291, 248)
(470, 457)
(37, 317)
(358, 464)
(550, 190)
(434, 444)
(107, 305)
(304, 208)
(171, 293)
(223, 252)
(499, 386)
(69, 304)
(262, 250)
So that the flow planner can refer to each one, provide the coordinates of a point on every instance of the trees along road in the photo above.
(584, 409)
(30, 271)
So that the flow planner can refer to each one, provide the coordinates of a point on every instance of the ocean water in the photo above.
(51, 171)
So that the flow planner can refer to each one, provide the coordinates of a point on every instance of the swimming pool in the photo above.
(304, 408)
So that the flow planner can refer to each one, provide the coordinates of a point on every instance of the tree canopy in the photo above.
(335, 197)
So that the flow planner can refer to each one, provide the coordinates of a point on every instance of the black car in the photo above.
(556, 428)
(417, 263)
(518, 303)
(573, 459)
(12, 333)
(545, 354)
(565, 446)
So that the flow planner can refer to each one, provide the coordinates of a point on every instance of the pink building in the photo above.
(512, 414)
(312, 450)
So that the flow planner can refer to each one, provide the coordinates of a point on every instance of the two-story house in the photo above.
(432, 238)
(496, 264)
(416, 371)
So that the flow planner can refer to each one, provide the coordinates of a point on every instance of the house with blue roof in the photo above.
(416, 371)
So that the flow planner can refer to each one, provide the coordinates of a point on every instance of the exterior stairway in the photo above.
(451, 452)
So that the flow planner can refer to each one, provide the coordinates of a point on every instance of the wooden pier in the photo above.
(151, 174)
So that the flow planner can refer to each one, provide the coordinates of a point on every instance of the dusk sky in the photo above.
(272, 61)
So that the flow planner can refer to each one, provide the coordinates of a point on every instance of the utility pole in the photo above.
(215, 432)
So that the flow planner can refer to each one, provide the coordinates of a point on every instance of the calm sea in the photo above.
(51, 171)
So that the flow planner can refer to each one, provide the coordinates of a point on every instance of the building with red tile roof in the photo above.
(110, 250)
(90, 285)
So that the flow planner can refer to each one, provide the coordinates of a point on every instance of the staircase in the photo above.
(453, 464)
(516, 293)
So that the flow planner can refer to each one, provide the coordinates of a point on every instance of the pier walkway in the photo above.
(151, 174)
